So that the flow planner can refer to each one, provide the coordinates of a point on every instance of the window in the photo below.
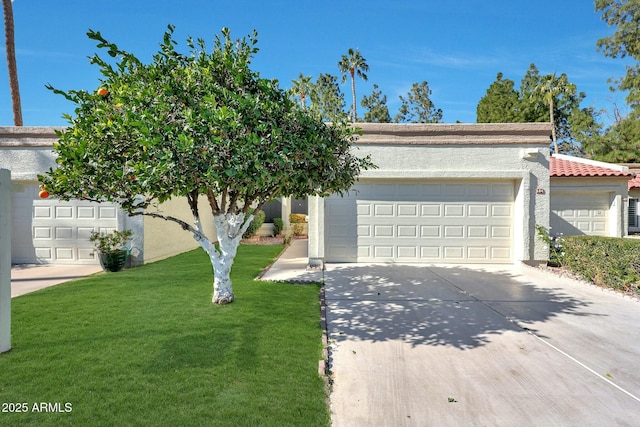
(633, 213)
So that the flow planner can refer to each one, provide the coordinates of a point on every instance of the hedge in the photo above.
(606, 261)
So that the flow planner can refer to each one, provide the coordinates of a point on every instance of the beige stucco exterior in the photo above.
(517, 152)
(162, 239)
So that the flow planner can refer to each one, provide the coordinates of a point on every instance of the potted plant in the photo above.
(112, 248)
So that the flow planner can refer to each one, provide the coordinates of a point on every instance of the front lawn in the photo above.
(146, 347)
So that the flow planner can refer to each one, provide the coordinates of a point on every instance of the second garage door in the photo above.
(580, 213)
(422, 221)
(50, 231)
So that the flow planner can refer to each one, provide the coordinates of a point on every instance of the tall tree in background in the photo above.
(500, 104)
(618, 144)
(624, 42)
(541, 98)
(11, 61)
(353, 64)
(551, 87)
(376, 105)
(417, 107)
(620, 141)
(327, 100)
(301, 88)
(194, 126)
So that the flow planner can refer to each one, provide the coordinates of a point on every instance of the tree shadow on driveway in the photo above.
(437, 305)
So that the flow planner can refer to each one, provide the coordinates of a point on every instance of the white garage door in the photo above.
(422, 221)
(52, 231)
(583, 213)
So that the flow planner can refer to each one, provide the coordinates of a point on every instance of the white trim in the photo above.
(605, 165)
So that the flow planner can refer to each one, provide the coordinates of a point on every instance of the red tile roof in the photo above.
(634, 182)
(564, 167)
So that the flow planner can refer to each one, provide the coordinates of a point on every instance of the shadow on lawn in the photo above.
(437, 305)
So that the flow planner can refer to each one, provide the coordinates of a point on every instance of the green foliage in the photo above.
(556, 245)
(605, 261)
(532, 103)
(624, 15)
(301, 88)
(619, 144)
(109, 242)
(145, 348)
(500, 104)
(278, 226)
(327, 100)
(256, 223)
(417, 107)
(376, 105)
(201, 123)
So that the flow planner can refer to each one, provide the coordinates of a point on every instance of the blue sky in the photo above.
(458, 46)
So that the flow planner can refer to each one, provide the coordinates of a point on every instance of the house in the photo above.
(53, 231)
(588, 197)
(442, 193)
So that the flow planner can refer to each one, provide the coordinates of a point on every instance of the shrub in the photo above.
(278, 226)
(606, 261)
(297, 218)
(109, 242)
(297, 221)
(256, 223)
(556, 246)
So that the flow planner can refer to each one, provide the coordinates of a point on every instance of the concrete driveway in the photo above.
(479, 346)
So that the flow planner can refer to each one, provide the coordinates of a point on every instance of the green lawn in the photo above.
(146, 347)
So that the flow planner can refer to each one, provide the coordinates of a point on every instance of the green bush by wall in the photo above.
(606, 261)
(256, 223)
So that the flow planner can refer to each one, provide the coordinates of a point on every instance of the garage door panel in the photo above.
(580, 213)
(477, 232)
(425, 222)
(430, 209)
(55, 231)
(407, 253)
(407, 210)
(407, 231)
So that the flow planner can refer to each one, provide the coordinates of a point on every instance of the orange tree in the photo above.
(192, 125)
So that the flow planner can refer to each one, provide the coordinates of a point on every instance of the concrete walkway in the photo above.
(29, 277)
(291, 266)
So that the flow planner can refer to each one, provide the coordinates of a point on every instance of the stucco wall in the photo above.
(510, 151)
(163, 239)
(27, 151)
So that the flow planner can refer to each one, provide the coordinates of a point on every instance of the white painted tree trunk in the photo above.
(229, 230)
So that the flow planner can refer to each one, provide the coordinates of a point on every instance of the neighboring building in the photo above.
(588, 197)
(52, 231)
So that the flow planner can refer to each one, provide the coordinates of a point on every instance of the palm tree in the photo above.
(11, 61)
(552, 87)
(353, 63)
(301, 88)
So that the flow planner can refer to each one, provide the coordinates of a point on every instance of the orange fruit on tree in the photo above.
(102, 91)
(43, 192)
